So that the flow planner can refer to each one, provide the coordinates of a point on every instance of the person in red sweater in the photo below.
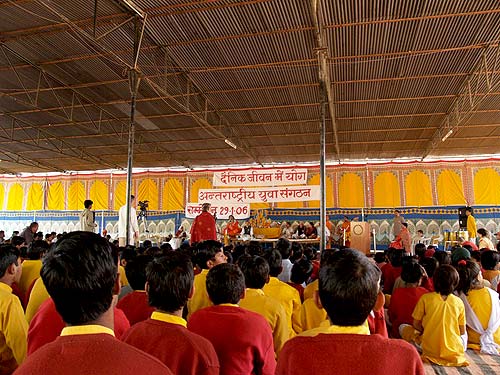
(391, 271)
(135, 305)
(348, 290)
(301, 271)
(203, 227)
(164, 335)
(404, 299)
(242, 339)
(81, 276)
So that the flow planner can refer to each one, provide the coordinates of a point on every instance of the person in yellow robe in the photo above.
(471, 225)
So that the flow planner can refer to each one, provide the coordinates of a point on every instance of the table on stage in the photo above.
(273, 241)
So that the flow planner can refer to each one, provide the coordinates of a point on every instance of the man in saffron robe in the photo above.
(203, 227)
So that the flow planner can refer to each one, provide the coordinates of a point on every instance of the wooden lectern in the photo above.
(360, 236)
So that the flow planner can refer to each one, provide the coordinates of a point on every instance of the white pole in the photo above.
(374, 241)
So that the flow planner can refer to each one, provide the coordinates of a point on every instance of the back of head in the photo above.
(442, 257)
(468, 273)
(255, 269)
(8, 255)
(127, 254)
(420, 250)
(483, 232)
(396, 257)
(135, 270)
(17, 241)
(225, 284)
(147, 244)
(301, 271)
(79, 275)
(489, 259)
(273, 257)
(283, 246)
(412, 272)
(37, 249)
(445, 279)
(380, 257)
(458, 254)
(170, 281)
(206, 251)
(430, 265)
(348, 287)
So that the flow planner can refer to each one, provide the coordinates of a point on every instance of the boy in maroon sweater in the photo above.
(169, 284)
(348, 290)
(80, 275)
(242, 339)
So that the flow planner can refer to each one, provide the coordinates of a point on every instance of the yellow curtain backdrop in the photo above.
(351, 191)
(99, 194)
(329, 191)
(386, 190)
(418, 189)
(15, 198)
(35, 197)
(450, 189)
(55, 198)
(76, 195)
(119, 194)
(2, 194)
(173, 195)
(487, 186)
(148, 191)
(201, 183)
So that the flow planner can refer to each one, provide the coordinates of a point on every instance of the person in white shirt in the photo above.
(133, 235)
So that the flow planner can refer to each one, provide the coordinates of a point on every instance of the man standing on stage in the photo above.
(87, 217)
(133, 234)
(203, 227)
(398, 222)
(471, 225)
(29, 233)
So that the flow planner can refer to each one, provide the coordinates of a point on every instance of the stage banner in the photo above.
(261, 177)
(255, 195)
(222, 210)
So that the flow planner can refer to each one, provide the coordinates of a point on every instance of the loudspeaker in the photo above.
(462, 217)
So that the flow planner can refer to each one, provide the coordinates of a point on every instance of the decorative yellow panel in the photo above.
(487, 186)
(329, 191)
(15, 198)
(35, 197)
(119, 194)
(99, 194)
(201, 183)
(418, 189)
(386, 190)
(450, 189)
(351, 191)
(148, 191)
(55, 198)
(76, 196)
(2, 194)
(173, 195)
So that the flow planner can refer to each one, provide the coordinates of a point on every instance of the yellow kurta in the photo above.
(311, 289)
(471, 226)
(480, 301)
(441, 342)
(31, 272)
(38, 296)
(13, 331)
(200, 297)
(333, 329)
(289, 299)
(123, 276)
(255, 300)
(311, 315)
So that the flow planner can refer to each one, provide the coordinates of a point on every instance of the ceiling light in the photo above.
(447, 135)
(230, 143)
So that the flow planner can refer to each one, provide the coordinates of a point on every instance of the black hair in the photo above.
(239, 250)
(36, 249)
(283, 246)
(255, 269)
(445, 279)
(254, 248)
(301, 271)
(468, 274)
(87, 203)
(412, 272)
(147, 244)
(127, 253)
(170, 281)
(154, 252)
(380, 257)
(225, 284)
(136, 271)
(483, 232)
(442, 257)
(17, 240)
(396, 257)
(273, 257)
(33, 224)
(348, 287)
(8, 255)
(80, 274)
(166, 247)
(206, 251)
(420, 250)
(404, 225)
(430, 265)
(489, 259)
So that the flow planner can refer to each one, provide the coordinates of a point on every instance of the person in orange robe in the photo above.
(203, 227)
(233, 227)
(345, 230)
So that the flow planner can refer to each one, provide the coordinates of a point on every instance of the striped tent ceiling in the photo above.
(410, 78)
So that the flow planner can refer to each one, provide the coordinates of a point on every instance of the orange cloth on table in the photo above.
(233, 229)
(203, 228)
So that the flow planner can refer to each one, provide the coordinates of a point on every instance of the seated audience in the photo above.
(242, 339)
(301, 272)
(32, 265)
(391, 271)
(484, 240)
(489, 263)
(81, 275)
(164, 335)
(283, 246)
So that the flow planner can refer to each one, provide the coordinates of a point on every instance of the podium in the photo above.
(360, 236)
